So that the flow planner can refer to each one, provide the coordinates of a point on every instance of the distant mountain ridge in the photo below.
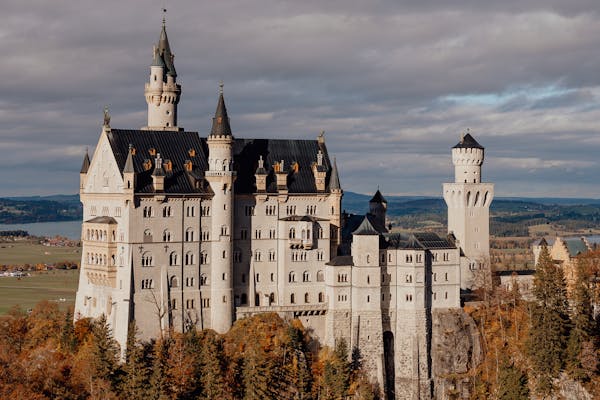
(509, 215)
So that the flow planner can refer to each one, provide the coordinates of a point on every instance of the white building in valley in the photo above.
(182, 229)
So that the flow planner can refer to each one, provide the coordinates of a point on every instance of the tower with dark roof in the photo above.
(378, 209)
(162, 92)
(468, 200)
(221, 176)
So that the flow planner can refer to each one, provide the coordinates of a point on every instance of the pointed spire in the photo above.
(164, 50)
(378, 198)
(334, 180)
(128, 168)
(86, 162)
(220, 126)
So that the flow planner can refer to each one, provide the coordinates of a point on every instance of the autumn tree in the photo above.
(549, 322)
(581, 346)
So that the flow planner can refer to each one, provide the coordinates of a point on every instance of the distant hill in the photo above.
(509, 216)
(23, 210)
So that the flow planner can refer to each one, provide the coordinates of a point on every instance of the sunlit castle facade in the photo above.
(182, 230)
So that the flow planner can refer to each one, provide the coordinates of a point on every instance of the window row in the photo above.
(99, 259)
(105, 211)
(99, 235)
(189, 258)
(306, 276)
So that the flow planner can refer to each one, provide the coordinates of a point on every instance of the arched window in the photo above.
(306, 297)
(321, 297)
(203, 280)
(320, 276)
(146, 259)
(305, 276)
(271, 298)
(257, 299)
(292, 276)
(203, 258)
(173, 259)
(174, 282)
(292, 233)
(189, 258)
(166, 236)
(293, 298)
(244, 298)
(189, 235)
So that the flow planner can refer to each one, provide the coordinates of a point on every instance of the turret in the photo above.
(261, 176)
(129, 178)
(468, 200)
(162, 91)
(220, 176)
(84, 169)
(467, 157)
(378, 209)
(158, 175)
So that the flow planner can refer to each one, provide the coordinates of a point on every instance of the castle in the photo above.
(182, 230)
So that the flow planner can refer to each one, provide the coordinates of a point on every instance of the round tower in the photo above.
(162, 92)
(221, 177)
(467, 157)
(468, 200)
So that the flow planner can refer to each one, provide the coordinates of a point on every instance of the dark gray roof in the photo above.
(575, 246)
(102, 220)
(342, 261)
(468, 142)
(247, 152)
(86, 163)
(418, 240)
(220, 123)
(176, 146)
(365, 228)
(378, 198)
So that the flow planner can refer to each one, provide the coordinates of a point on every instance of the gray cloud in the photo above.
(392, 83)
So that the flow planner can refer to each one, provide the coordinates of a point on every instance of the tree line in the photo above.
(531, 346)
(43, 355)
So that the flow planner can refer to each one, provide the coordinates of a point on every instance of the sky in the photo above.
(392, 83)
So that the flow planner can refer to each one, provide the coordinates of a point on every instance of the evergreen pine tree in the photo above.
(136, 374)
(68, 341)
(549, 323)
(583, 326)
(106, 354)
(298, 370)
(159, 383)
(212, 366)
(512, 383)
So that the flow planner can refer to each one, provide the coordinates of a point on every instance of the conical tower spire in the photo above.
(86, 162)
(128, 168)
(164, 50)
(220, 126)
(334, 181)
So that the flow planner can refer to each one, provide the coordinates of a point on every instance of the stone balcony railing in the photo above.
(284, 311)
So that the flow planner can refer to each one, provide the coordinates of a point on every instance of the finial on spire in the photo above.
(164, 10)
(106, 117)
(321, 137)
(221, 84)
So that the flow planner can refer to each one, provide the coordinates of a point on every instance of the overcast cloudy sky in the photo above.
(392, 83)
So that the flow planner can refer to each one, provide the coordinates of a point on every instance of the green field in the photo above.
(47, 285)
(19, 253)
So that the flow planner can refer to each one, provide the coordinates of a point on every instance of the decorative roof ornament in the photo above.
(221, 84)
(128, 168)
(321, 137)
(106, 117)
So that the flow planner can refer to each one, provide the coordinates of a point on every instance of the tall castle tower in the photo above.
(468, 201)
(221, 176)
(162, 92)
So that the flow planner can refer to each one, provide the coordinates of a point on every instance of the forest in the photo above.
(536, 347)
(43, 355)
